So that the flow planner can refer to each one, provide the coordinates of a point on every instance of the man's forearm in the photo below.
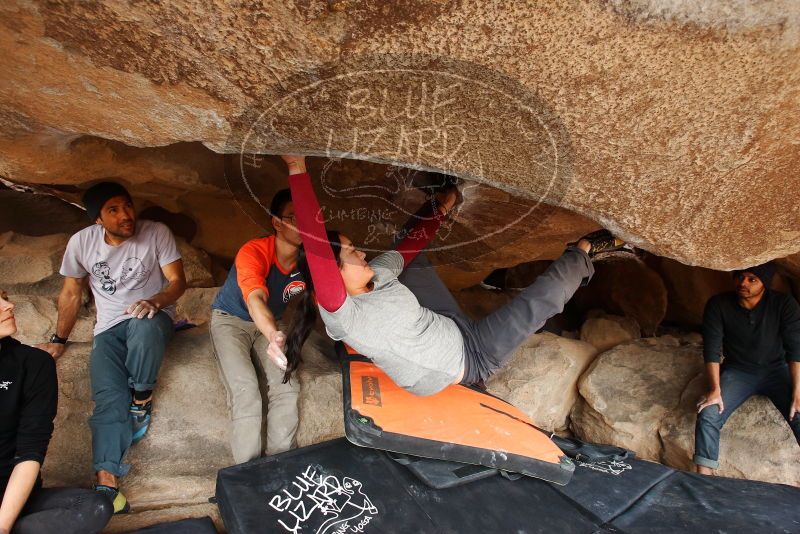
(69, 305)
(794, 369)
(19, 487)
(712, 374)
(169, 295)
(260, 313)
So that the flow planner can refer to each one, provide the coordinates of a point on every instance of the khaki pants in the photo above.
(238, 347)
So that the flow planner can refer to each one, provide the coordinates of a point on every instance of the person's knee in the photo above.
(710, 416)
(246, 404)
(149, 330)
(285, 394)
(111, 404)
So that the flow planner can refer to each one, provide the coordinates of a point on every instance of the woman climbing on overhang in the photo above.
(396, 311)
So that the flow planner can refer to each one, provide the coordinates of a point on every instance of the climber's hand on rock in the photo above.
(448, 198)
(296, 164)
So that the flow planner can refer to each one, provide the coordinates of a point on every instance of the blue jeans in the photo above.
(124, 357)
(737, 386)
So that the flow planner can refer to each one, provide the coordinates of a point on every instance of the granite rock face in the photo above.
(30, 265)
(541, 378)
(194, 306)
(689, 288)
(628, 391)
(625, 285)
(646, 117)
(607, 331)
(39, 314)
(642, 395)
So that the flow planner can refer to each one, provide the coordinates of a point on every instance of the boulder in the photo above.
(624, 285)
(30, 265)
(196, 265)
(790, 266)
(477, 302)
(755, 443)
(523, 275)
(188, 443)
(607, 331)
(321, 416)
(457, 278)
(689, 288)
(628, 391)
(37, 317)
(194, 305)
(590, 126)
(34, 214)
(541, 378)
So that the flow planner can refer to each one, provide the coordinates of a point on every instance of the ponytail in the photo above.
(306, 313)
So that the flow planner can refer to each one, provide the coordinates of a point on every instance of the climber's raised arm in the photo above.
(328, 284)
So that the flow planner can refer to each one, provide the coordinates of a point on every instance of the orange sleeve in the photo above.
(252, 265)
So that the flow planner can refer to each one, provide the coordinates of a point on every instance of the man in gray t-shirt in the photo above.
(135, 273)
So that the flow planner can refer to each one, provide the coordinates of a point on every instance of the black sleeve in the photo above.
(712, 331)
(38, 407)
(790, 329)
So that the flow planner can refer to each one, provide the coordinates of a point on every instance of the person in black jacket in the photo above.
(755, 334)
(28, 401)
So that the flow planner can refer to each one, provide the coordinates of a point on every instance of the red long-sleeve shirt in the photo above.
(328, 283)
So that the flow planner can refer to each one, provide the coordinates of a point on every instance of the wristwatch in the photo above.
(56, 339)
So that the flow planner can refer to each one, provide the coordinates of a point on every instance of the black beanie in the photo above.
(764, 272)
(96, 197)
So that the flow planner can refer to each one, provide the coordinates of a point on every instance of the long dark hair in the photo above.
(306, 314)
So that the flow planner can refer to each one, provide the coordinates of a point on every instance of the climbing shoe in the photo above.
(118, 500)
(140, 415)
(603, 241)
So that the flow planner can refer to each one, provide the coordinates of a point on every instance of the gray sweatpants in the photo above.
(490, 342)
(238, 347)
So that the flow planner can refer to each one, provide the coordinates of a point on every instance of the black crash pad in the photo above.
(202, 525)
(337, 488)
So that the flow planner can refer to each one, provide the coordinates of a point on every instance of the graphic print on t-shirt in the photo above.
(134, 274)
(102, 271)
(122, 274)
(293, 289)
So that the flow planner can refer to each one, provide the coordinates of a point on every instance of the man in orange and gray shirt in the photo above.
(246, 331)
